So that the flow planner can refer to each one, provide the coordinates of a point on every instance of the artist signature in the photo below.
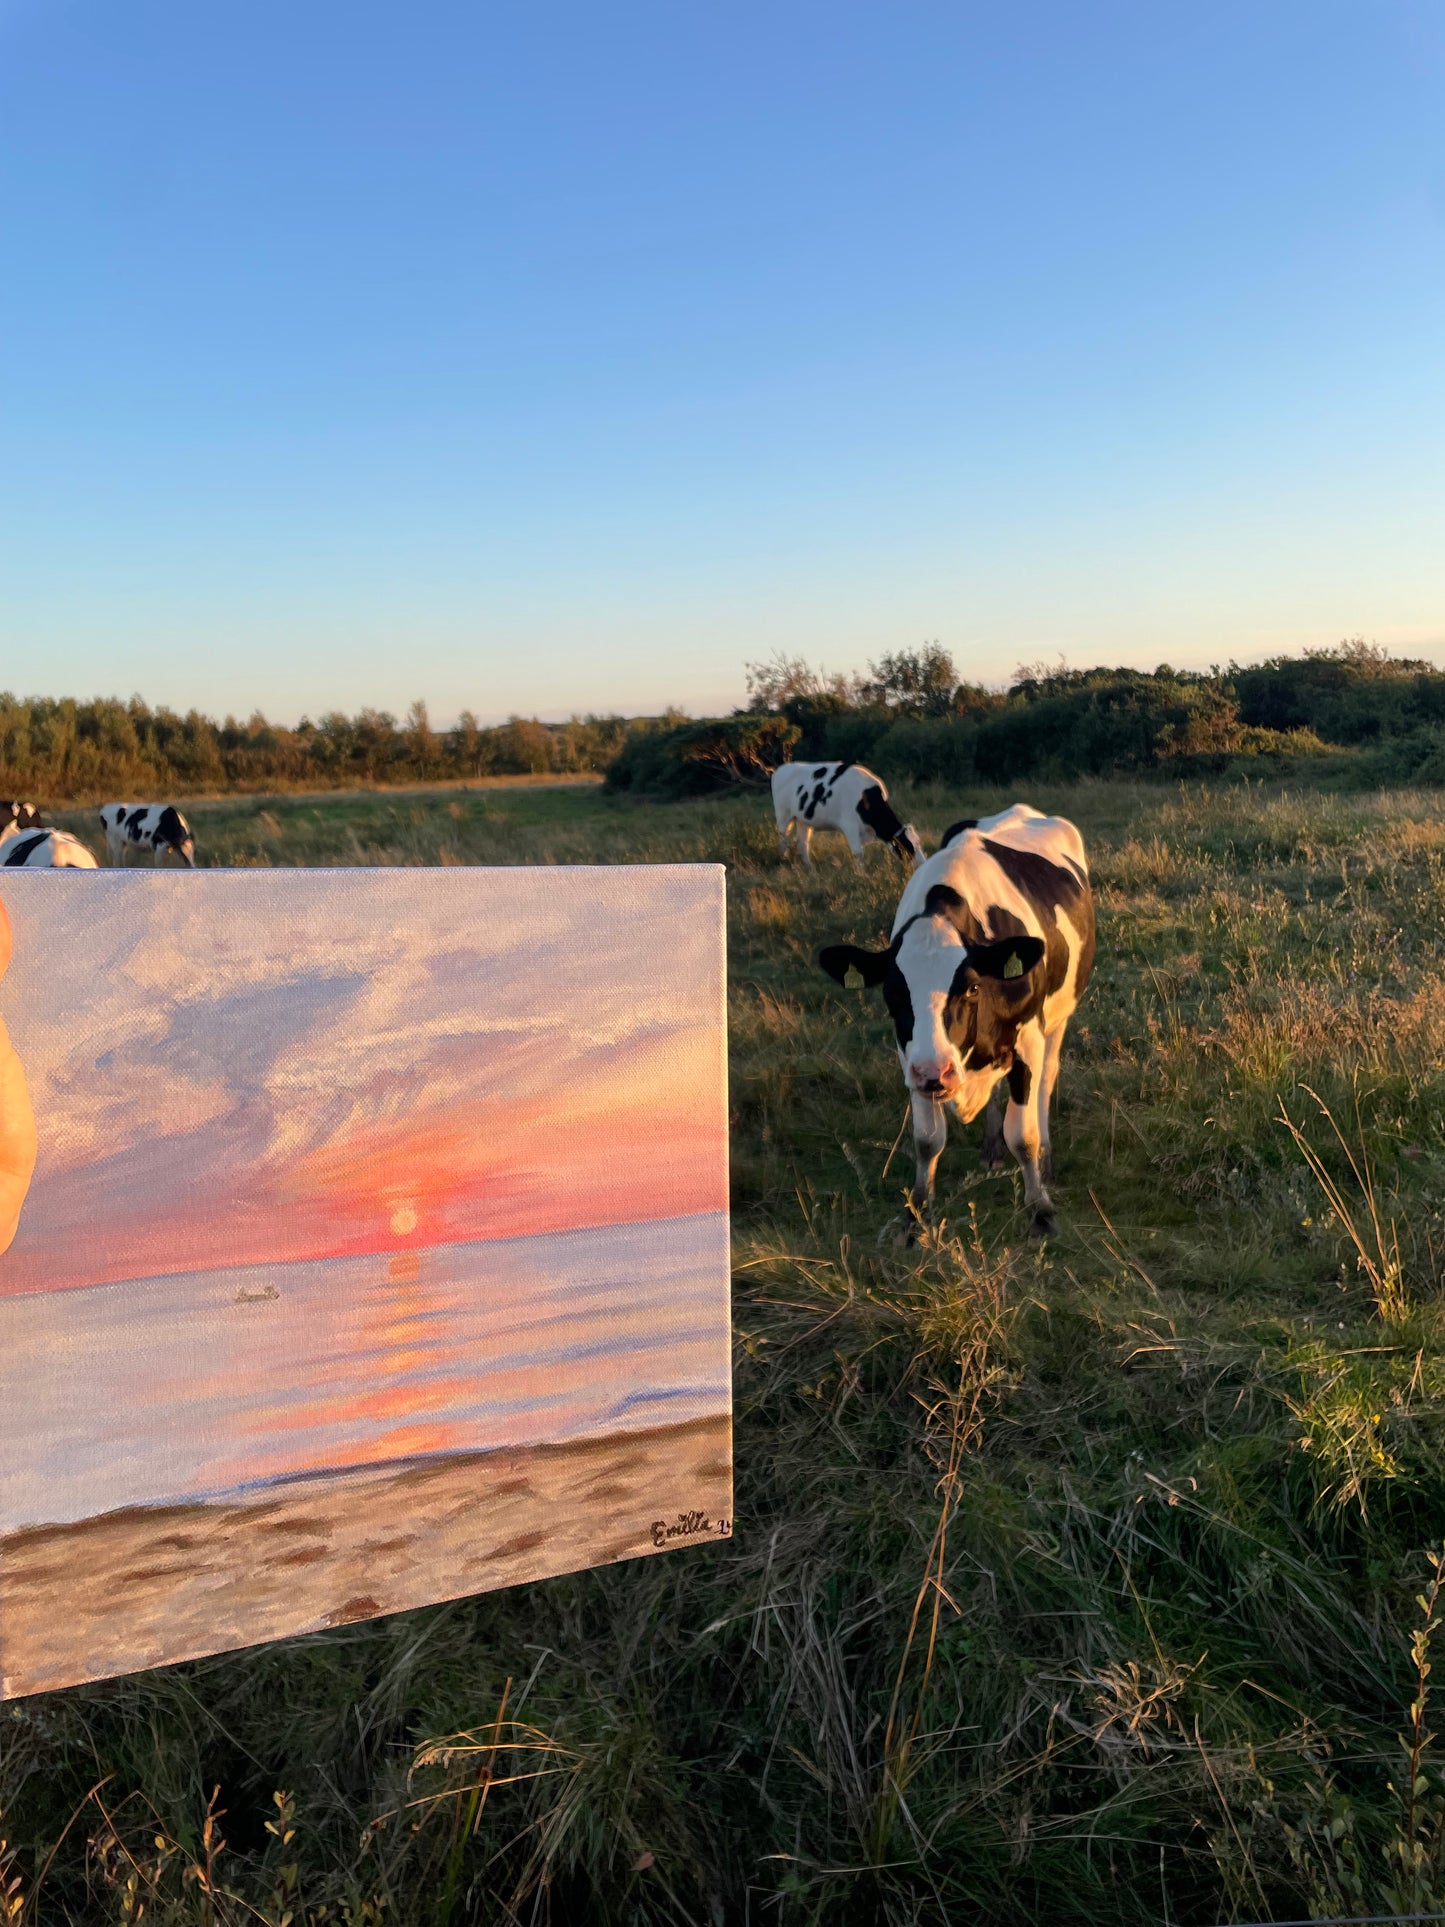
(688, 1525)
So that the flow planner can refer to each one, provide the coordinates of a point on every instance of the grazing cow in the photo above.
(15, 817)
(156, 827)
(839, 796)
(45, 850)
(991, 949)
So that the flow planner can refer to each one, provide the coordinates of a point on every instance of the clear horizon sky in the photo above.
(560, 358)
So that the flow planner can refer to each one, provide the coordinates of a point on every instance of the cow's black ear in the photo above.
(853, 967)
(1013, 957)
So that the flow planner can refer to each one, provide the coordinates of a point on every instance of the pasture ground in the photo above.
(1072, 1583)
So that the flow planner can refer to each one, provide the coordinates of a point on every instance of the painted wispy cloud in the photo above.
(243, 1067)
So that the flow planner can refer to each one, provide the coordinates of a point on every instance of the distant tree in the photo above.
(423, 749)
(377, 743)
(742, 750)
(785, 679)
(523, 746)
(464, 745)
(1370, 659)
(915, 682)
(1032, 678)
(701, 759)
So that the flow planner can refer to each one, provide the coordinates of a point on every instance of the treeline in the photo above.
(1352, 710)
(59, 749)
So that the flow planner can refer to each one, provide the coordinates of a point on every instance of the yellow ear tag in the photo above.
(853, 977)
(1013, 968)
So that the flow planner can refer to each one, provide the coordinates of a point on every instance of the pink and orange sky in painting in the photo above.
(257, 1067)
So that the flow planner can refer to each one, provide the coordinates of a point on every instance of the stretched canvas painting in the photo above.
(376, 1250)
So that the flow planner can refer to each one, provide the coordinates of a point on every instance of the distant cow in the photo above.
(15, 817)
(839, 796)
(45, 850)
(992, 945)
(156, 827)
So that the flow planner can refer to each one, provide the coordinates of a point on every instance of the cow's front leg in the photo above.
(930, 1134)
(1021, 1126)
(1053, 1050)
(994, 1148)
(855, 844)
(805, 844)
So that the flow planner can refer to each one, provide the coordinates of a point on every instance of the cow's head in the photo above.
(957, 1006)
(175, 832)
(16, 816)
(880, 819)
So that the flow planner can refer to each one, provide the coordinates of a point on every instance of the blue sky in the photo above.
(566, 356)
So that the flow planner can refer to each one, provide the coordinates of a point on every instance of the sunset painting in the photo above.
(376, 1251)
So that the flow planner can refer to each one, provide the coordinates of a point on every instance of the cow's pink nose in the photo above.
(931, 1075)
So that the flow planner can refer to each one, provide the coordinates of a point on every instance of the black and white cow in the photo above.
(16, 816)
(157, 827)
(839, 796)
(991, 949)
(45, 850)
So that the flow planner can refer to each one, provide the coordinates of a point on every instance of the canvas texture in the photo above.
(376, 1252)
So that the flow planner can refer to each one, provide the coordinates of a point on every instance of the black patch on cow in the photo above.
(1007, 960)
(819, 790)
(1049, 888)
(22, 846)
(172, 828)
(875, 967)
(839, 958)
(899, 999)
(1020, 1081)
(136, 818)
(957, 829)
(821, 770)
(987, 1008)
(877, 813)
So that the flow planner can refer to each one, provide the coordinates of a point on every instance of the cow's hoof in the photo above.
(1042, 1225)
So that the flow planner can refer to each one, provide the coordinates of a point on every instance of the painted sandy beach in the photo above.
(149, 1585)
(377, 1251)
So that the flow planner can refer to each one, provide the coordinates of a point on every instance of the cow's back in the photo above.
(821, 792)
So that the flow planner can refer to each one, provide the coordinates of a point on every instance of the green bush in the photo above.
(938, 750)
(1352, 694)
(700, 759)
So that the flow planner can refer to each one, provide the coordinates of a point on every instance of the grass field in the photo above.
(1072, 1583)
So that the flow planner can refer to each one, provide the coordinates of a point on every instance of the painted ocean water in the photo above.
(205, 1384)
